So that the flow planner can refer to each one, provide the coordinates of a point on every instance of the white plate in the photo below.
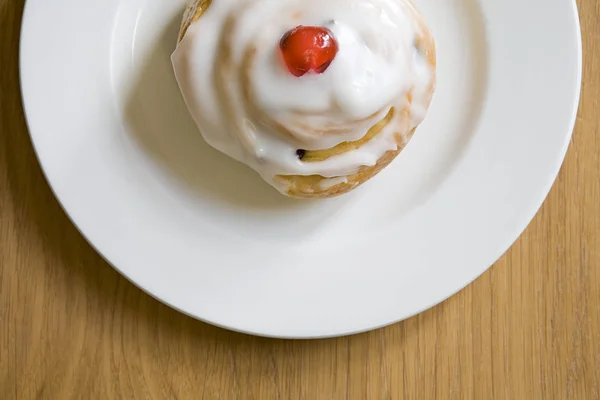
(208, 237)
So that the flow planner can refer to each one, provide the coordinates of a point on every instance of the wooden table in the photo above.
(71, 327)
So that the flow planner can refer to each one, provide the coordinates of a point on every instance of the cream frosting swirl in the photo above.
(247, 104)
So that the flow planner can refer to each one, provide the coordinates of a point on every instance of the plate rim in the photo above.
(518, 231)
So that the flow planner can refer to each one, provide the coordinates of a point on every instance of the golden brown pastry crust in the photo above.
(309, 187)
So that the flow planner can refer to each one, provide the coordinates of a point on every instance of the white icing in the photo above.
(240, 93)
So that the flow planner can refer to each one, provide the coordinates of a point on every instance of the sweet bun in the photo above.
(317, 134)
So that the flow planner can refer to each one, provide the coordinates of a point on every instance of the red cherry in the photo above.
(308, 48)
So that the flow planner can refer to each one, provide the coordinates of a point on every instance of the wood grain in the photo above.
(71, 327)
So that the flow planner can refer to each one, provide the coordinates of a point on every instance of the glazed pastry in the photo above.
(316, 96)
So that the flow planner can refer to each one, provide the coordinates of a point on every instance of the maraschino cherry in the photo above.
(308, 49)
